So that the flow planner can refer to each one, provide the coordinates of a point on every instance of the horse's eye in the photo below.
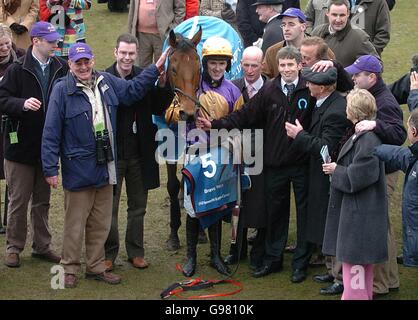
(174, 71)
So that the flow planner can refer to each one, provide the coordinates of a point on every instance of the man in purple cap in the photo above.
(24, 95)
(80, 128)
(366, 72)
(293, 26)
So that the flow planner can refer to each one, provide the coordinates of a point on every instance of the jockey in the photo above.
(217, 97)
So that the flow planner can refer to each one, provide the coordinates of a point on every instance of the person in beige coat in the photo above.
(150, 21)
(19, 15)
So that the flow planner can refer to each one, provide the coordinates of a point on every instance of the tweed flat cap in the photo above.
(321, 78)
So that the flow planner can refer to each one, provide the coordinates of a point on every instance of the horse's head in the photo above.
(184, 73)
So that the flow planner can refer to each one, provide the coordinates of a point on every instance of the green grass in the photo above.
(32, 280)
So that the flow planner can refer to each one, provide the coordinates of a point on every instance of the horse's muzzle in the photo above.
(187, 117)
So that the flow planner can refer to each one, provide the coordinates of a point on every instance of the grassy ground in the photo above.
(32, 280)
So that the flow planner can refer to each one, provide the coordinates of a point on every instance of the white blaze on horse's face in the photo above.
(217, 68)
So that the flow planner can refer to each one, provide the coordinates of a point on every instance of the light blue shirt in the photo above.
(43, 65)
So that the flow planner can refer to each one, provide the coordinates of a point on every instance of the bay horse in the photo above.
(183, 73)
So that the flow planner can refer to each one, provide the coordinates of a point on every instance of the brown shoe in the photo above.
(138, 262)
(107, 277)
(109, 265)
(12, 260)
(70, 280)
(50, 256)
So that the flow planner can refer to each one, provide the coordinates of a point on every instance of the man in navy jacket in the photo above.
(80, 128)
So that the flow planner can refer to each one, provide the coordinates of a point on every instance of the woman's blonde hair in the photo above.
(361, 104)
(5, 31)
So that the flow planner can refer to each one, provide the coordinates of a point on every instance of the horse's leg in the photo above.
(173, 188)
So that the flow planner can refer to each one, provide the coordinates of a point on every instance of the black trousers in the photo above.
(277, 187)
(117, 5)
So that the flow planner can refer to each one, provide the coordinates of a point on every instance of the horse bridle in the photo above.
(176, 90)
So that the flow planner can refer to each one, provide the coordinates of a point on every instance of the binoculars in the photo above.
(103, 147)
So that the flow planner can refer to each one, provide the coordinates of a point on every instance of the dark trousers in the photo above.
(137, 196)
(277, 186)
(257, 249)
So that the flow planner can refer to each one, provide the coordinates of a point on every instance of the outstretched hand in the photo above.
(322, 66)
(365, 125)
(203, 124)
(161, 61)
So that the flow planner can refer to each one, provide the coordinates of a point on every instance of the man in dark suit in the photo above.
(252, 214)
(135, 154)
(249, 26)
(328, 126)
(284, 98)
(268, 12)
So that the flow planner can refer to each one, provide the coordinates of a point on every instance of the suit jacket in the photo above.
(357, 219)
(272, 33)
(253, 212)
(240, 83)
(376, 21)
(169, 14)
(249, 25)
(328, 126)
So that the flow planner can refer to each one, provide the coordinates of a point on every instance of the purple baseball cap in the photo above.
(294, 13)
(45, 30)
(80, 50)
(367, 63)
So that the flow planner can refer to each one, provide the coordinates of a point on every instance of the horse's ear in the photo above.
(196, 38)
(173, 38)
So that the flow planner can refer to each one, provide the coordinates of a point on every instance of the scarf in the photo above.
(12, 55)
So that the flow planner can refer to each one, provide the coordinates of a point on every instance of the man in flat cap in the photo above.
(268, 12)
(328, 126)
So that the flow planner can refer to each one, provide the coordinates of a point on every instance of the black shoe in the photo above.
(335, 288)
(189, 267)
(266, 270)
(231, 259)
(217, 263)
(298, 275)
(399, 259)
(173, 243)
(323, 278)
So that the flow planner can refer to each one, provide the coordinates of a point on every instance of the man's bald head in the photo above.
(253, 53)
(252, 58)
